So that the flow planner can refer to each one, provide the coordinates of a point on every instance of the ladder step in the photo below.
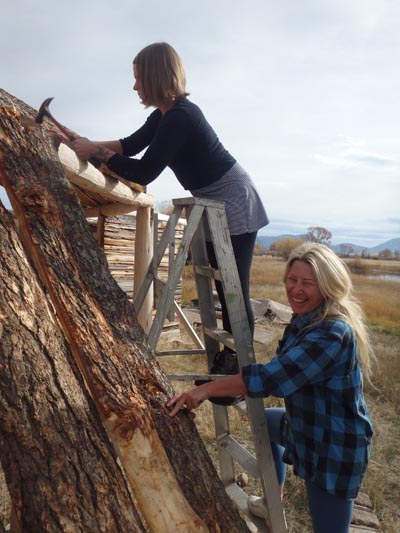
(199, 351)
(221, 335)
(193, 377)
(239, 496)
(208, 272)
(240, 454)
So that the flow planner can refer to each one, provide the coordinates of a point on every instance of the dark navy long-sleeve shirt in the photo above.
(181, 139)
(328, 431)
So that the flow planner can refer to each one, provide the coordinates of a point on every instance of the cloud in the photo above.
(303, 94)
(351, 158)
(356, 152)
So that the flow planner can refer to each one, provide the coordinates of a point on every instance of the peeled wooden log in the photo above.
(60, 467)
(173, 480)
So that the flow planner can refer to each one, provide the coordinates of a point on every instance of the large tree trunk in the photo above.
(60, 467)
(173, 480)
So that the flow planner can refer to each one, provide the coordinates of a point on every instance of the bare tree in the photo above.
(284, 246)
(318, 234)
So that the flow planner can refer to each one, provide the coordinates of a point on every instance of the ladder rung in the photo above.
(239, 496)
(180, 352)
(193, 377)
(240, 454)
(208, 272)
(222, 336)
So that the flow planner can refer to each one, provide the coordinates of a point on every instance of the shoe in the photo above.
(225, 363)
(256, 505)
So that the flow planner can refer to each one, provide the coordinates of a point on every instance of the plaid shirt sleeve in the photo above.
(303, 358)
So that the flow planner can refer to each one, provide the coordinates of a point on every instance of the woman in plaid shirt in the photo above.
(324, 431)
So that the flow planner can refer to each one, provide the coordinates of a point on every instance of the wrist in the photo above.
(101, 153)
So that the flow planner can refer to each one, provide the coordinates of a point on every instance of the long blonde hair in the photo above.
(161, 72)
(334, 281)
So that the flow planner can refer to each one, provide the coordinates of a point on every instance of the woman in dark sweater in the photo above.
(177, 135)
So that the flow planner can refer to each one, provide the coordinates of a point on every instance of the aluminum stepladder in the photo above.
(207, 219)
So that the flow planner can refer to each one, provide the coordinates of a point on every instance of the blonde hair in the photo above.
(161, 73)
(334, 282)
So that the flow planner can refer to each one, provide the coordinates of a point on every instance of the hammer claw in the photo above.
(44, 111)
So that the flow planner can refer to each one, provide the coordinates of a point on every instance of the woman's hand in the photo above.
(191, 399)
(84, 148)
(229, 386)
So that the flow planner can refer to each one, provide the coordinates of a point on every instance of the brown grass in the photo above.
(359, 265)
(380, 300)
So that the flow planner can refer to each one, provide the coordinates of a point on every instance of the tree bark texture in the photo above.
(61, 468)
(172, 477)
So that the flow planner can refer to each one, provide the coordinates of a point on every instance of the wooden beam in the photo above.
(110, 210)
(100, 230)
(87, 177)
(143, 258)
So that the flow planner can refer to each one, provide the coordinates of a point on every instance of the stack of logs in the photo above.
(119, 247)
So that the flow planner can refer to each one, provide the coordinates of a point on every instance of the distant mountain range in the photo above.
(393, 244)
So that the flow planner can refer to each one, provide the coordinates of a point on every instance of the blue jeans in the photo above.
(329, 513)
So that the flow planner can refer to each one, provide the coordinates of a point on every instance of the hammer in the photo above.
(44, 111)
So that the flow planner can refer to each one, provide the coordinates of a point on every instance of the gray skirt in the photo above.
(243, 206)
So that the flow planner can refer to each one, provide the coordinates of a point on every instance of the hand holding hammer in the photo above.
(83, 148)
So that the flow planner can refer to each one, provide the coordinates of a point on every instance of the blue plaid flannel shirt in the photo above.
(327, 430)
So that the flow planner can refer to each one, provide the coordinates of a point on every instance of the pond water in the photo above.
(386, 277)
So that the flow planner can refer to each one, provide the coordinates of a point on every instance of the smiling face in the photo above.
(302, 288)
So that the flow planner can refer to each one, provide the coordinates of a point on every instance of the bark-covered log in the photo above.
(60, 467)
(170, 472)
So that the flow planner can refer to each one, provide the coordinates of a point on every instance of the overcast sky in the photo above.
(304, 93)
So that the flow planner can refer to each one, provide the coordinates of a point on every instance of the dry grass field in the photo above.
(380, 300)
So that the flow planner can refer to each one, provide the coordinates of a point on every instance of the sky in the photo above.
(304, 94)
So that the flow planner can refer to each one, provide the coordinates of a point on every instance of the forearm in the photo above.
(102, 151)
(230, 386)
(113, 146)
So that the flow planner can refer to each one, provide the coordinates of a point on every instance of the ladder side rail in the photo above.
(168, 294)
(171, 257)
(209, 322)
(226, 463)
(231, 284)
(266, 463)
(188, 326)
(160, 284)
(245, 351)
(169, 233)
